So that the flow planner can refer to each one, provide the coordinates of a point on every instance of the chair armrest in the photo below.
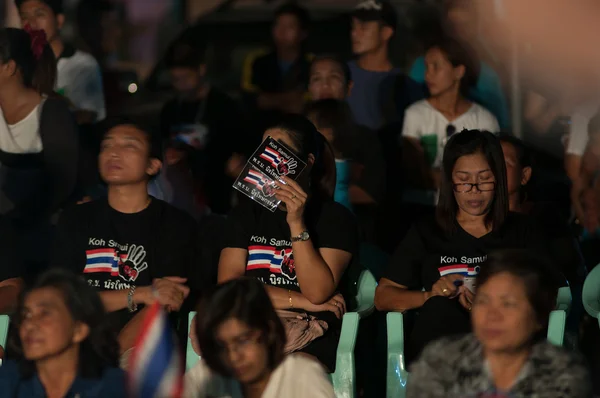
(556, 327)
(397, 375)
(364, 311)
(344, 378)
(191, 358)
(564, 298)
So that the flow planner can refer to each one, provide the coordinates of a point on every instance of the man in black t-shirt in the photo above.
(134, 249)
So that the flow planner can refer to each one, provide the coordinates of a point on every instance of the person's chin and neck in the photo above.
(127, 192)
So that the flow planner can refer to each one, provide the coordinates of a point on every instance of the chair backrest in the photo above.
(591, 293)
(365, 298)
(191, 358)
(4, 324)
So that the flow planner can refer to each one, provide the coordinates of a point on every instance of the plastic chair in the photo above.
(191, 358)
(4, 324)
(591, 293)
(397, 374)
(564, 299)
(344, 377)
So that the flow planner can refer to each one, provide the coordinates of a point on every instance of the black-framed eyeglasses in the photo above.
(468, 187)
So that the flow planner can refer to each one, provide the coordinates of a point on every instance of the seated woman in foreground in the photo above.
(301, 250)
(434, 267)
(241, 339)
(66, 345)
(508, 354)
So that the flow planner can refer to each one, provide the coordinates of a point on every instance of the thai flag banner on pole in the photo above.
(156, 365)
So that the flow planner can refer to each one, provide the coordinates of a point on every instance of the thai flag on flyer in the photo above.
(271, 156)
(156, 365)
(255, 178)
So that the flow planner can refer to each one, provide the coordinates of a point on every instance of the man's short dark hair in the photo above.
(336, 59)
(294, 9)
(55, 5)
(594, 124)
(152, 134)
(184, 54)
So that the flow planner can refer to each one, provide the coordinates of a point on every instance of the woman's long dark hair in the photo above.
(246, 300)
(307, 140)
(469, 142)
(100, 349)
(335, 115)
(38, 72)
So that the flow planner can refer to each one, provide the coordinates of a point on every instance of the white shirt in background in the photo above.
(296, 377)
(425, 123)
(80, 80)
(578, 134)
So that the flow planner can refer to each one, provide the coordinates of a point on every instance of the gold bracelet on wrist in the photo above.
(290, 298)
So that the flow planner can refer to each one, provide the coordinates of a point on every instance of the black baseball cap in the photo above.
(375, 10)
(56, 5)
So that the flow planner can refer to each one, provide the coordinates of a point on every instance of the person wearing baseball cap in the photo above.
(373, 26)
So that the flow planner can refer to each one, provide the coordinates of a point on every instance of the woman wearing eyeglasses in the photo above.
(450, 72)
(434, 268)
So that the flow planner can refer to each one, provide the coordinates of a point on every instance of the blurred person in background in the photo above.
(330, 78)
(242, 343)
(66, 348)
(132, 248)
(564, 248)
(38, 148)
(461, 22)
(79, 77)
(275, 82)
(100, 32)
(507, 355)
(429, 123)
(380, 92)
(204, 130)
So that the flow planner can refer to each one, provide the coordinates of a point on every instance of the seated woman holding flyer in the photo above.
(434, 267)
(302, 248)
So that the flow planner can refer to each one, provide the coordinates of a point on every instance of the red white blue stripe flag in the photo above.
(156, 365)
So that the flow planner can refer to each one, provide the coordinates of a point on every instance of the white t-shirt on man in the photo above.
(80, 80)
(296, 377)
(428, 125)
(578, 132)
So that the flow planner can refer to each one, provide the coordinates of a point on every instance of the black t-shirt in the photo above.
(115, 250)
(427, 252)
(266, 236)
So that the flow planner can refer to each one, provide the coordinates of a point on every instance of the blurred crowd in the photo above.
(474, 214)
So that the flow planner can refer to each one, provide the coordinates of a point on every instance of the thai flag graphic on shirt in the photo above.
(255, 178)
(103, 260)
(271, 156)
(462, 269)
(277, 261)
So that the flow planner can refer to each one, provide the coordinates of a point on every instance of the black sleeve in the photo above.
(370, 157)
(11, 265)
(65, 249)
(336, 229)
(406, 263)
(538, 242)
(238, 224)
(61, 151)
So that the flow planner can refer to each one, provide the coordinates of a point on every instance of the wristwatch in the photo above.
(303, 237)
